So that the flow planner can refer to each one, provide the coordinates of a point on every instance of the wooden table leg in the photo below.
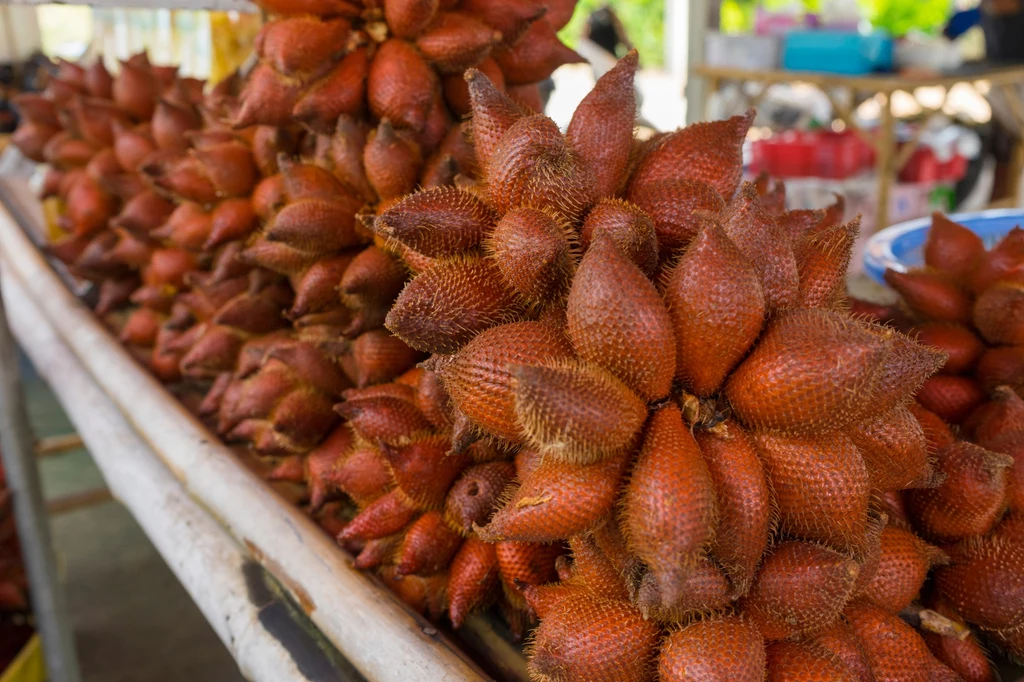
(713, 83)
(883, 165)
(1013, 99)
(1016, 171)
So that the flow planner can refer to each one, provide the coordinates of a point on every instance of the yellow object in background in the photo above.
(53, 209)
(232, 35)
(28, 666)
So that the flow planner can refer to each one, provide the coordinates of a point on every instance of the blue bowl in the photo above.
(900, 247)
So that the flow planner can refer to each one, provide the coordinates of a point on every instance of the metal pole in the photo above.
(17, 445)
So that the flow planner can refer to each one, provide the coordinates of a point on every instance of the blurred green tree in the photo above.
(643, 20)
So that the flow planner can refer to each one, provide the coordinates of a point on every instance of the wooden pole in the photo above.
(696, 88)
(884, 162)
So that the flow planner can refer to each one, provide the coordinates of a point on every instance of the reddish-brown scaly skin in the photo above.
(717, 307)
(785, 383)
(970, 500)
(616, 319)
(472, 578)
(804, 662)
(555, 500)
(952, 248)
(484, 364)
(801, 589)
(701, 588)
(745, 511)
(962, 347)
(840, 640)
(983, 582)
(951, 397)
(895, 450)
(526, 563)
(893, 649)
(759, 236)
(1005, 261)
(614, 642)
(427, 547)
(932, 295)
(820, 485)
(965, 656)
(726, 648)
(669, 467)
(822, 255)
(904, 563)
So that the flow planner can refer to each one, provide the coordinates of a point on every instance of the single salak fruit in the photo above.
(970, 500)
(725, 648)
(788, 383)
(962, 347)
(479, 377)
(952, 248)
(717, 307)
(669, 506)
(472, 579)
(840, 640)
(932, 295)
(801, 589)
(952, 398)
(806, 662)
(903, 565)
(556, 500)
(575, 412)
(984, 583)
(893, 649)
(821, 486)
(585, 636)
(999, 313)
(745, 511)
(616, 319)
(895, 450)
(965, 656)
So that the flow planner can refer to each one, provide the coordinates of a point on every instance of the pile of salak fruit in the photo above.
(596, 383)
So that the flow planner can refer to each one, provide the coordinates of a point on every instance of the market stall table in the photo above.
(842, 92)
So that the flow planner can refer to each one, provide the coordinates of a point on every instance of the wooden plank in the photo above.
(382, 638)
(870, 83)
(56, 445)
(75, 501)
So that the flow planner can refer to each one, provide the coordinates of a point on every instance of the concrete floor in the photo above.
(133, 621)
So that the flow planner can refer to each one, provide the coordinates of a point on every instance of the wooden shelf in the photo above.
(842, 92)
(882, 82)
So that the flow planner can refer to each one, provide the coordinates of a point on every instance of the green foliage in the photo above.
(644, 21)
(898, 17)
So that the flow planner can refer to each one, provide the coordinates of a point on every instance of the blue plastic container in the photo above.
(843, 52)
(900, 247)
